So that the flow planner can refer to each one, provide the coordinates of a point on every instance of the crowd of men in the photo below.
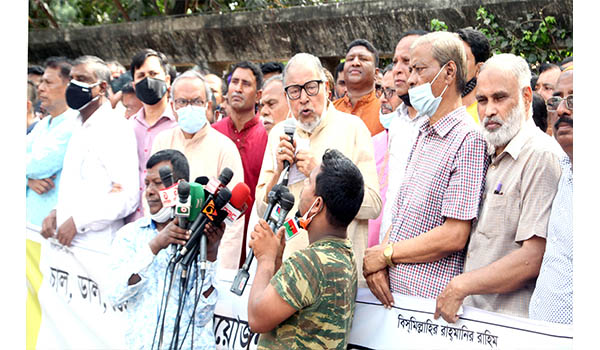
(436, 176)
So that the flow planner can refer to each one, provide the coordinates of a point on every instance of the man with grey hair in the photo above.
(319, 127)
(99, 185)
(208, 151)
(507, 243)
(440, 192)
(273, 106)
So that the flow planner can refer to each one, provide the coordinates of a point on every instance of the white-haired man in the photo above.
(507, 243)
(320, 126)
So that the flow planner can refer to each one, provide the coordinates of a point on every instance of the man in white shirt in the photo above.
(402, 130)
(99, 185)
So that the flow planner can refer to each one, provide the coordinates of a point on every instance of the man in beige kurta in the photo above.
(208, 152)
(319, 127)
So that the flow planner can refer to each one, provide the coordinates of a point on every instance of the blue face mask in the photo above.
(421, 97)
(386, 119)
(191, 118)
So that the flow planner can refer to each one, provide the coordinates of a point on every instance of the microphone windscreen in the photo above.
(289, 126)
(225, 176)
(223, 197)
(166, 175)
(183, 189)
(239, 195)
(287, 201)
(196, 200)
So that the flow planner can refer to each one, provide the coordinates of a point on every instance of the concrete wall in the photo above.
(215, 41)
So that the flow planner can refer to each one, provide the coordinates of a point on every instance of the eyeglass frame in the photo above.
(303, 87)
(187, 102)
(390, 92)
(559, 101)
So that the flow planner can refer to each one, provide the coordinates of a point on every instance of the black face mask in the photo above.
(79, 94)
(406, 100)
(469, 86)
(150, 90)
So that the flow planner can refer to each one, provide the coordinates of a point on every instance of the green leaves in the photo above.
(536, 38)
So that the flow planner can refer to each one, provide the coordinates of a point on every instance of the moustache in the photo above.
(563, 120)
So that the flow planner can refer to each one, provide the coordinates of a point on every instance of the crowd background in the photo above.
(584, 204)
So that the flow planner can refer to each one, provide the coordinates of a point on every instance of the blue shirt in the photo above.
(552, 299)
(130, 254)
(46, 147)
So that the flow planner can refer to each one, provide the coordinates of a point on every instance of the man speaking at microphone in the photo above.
(140, 256)
(319, 127)
(310, 299)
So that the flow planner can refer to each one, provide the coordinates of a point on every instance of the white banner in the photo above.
(408, 325)
(74, 314)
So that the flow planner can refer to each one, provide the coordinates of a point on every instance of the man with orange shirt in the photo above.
(360, 69)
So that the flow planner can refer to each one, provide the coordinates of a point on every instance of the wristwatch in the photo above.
(387, 254)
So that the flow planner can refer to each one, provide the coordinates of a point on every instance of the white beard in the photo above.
(508, 129)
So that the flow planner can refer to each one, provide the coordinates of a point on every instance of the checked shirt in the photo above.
(444, 178)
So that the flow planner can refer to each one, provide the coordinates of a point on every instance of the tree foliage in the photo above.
(74, 13)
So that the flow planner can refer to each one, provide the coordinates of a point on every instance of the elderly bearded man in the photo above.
(319, 127)
(508, 241)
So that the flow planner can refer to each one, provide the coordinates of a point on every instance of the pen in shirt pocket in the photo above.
(498, 188)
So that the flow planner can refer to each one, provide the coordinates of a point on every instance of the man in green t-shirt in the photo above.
(309, 302)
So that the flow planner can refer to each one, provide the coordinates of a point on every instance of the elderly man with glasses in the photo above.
(207, 150)
(319, 127)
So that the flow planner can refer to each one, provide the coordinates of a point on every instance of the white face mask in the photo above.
(422, 99)
(191, 118)
(386, 119)
(163, 215)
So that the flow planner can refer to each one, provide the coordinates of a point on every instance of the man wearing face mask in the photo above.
(151, 82)
(207, 150)
(441, 189)
(99, 185)
(319, 127)
(138, 262)
(389, 102)
(401, 125)
(308, 300)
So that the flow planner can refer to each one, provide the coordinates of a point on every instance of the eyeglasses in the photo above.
(555, 101)
(378, 90)
(182, 102)
(389, 93)
(311, 88)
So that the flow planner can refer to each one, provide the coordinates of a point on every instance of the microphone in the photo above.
(224, 179)
(166, 176)
(182, 209)
(239, 203)
(209, 213)
(276, 193)
(286, 202)
(289, 127)
(196, 200)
